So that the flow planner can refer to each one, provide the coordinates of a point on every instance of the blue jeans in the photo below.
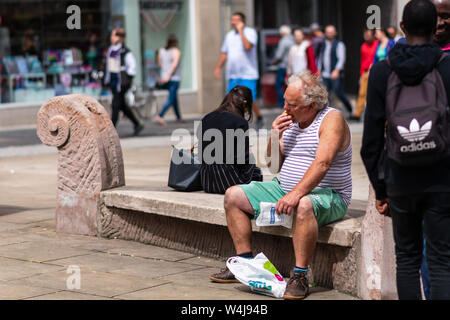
(172, 86)
(336, 87)
(280, 85)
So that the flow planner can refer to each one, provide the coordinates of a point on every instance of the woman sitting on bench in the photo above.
(230, 123)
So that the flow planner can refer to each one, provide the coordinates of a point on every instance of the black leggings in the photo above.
(408, 212)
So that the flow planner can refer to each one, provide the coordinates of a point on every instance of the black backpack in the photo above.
(417, 132)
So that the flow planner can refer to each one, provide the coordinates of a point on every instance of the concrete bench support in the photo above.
(89, 161)
(378, 276)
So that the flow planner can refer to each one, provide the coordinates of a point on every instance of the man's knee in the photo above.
(232, 196)
(305, 210)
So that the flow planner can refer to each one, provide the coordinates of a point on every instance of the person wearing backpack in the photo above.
(405, 150)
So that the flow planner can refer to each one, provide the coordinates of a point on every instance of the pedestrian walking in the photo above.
(120, 70)
(239, 52)
(331, 65)
(281, 60)
(368, 50)
(169, 59)
(385, 44)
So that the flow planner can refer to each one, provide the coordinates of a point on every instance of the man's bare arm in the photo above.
(220, 63)
(247, 44)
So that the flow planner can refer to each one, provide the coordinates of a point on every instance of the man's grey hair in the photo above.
(285, 29)
(313, 90)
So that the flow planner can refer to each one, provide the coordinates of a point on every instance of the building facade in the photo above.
(41, 56)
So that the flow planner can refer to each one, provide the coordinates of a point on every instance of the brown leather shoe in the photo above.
(224, 276)
(297, 288)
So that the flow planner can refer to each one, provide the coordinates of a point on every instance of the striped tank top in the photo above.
(300, 147)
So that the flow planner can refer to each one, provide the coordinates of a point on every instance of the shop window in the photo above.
(40, 57)
(159, 19)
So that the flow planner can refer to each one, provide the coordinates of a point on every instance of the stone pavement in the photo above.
(34, 259)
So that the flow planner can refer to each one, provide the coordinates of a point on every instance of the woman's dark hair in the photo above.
(420, 18)
(239, 100)
(172, 42)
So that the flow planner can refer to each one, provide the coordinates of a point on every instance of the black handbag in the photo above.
(184, 174)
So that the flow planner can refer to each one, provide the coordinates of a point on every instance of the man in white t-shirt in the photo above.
(239, 53)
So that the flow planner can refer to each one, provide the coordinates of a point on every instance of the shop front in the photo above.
(41, 57)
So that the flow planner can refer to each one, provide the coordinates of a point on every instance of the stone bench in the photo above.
(354, 255)
(195, 222)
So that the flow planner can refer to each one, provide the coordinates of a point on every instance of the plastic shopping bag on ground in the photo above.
(259, 274)
(268, 217)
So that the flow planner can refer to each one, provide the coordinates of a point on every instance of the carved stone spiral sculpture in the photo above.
(90, 158)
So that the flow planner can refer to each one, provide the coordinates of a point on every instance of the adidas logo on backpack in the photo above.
(414, 134)
(417, 133)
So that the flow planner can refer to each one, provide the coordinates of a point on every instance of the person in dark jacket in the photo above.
(411, 195)
(120, 70)
(236, 164)
(331, 65)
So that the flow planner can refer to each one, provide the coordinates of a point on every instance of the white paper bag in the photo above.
(259, 274)
(268, 217)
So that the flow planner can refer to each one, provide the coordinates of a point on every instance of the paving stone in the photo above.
(11, 269)
(204, 261)
(91, 282)
(135, 266)
(29, 216)
(154, 252)
(11, 240)
(189, 292)
(10, 291)
(40, 251)
(128, 248)
(6, 226)
(199, 277)
(327, 294)
(29, 234)
(69, 295)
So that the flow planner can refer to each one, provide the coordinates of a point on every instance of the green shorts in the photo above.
(328, 205)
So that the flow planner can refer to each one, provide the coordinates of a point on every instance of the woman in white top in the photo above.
(301, 55)
(169, 62)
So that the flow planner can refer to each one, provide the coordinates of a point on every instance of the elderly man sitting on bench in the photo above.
(315, 185)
